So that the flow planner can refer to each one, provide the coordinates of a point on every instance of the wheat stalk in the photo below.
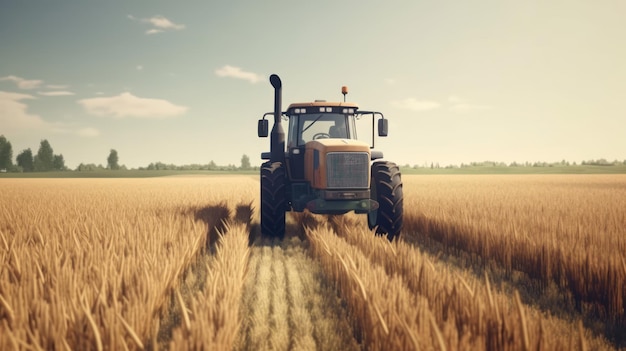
(522, 319)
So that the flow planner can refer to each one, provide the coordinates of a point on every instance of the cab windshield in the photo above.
(306, 127)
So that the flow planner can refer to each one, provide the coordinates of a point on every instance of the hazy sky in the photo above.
(185, 81)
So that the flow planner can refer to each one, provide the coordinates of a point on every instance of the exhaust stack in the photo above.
(277, 137)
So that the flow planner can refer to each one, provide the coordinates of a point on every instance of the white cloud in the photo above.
(14, 114)
(139, 67)
(415, 105)
(56, 93)
(163, 23)
(128, 105)
(23, 83)
(159, 24)
(6, 95)
(390, 81)
(236, 72)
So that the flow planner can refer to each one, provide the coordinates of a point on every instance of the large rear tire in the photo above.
(386, 189)
(273, 200)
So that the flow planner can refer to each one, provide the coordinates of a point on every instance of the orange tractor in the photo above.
(324, 168)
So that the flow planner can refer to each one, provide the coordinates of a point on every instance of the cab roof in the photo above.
(322, 104)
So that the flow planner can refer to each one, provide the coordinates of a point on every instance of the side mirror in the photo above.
(263, 128)
(383, 127)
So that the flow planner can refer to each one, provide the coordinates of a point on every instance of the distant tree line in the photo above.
(112, 164)
(45, 160)
(563, 163)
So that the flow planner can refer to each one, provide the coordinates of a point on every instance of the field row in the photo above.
(403, 299)
(562, 230)
(97, 264)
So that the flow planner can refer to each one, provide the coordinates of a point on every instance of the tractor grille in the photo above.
(348, 170)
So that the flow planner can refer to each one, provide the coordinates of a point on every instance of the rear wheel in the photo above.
(273, 200)
(386, 189)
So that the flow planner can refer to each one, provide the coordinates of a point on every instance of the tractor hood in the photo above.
(329, 145)
(337, 164)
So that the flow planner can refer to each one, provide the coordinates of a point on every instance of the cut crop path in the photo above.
(288, 304)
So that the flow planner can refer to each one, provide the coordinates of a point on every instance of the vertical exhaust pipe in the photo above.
(277, 137)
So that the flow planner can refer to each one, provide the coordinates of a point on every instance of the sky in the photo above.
(185, 82)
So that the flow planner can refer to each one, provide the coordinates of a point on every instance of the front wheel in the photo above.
(386, 189)
(273, 200)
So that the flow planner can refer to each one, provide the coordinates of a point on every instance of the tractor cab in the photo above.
(320, 120)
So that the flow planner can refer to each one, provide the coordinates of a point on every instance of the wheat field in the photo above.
(179, 263)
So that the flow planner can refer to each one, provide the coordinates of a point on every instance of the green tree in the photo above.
(58, 163)
(25, 160)
(6, 153)
(245, 162)
(112, 160)
(88, 167)
(44, 160)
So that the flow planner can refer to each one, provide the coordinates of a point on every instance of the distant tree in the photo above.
(112, 160)
(160, 166)
(212, 166)
(58, 163)
(245, 162)
(6, 153)
(89, 167)
(45, 157)
(25, 160)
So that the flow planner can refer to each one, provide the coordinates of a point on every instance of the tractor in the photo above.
(324, 168)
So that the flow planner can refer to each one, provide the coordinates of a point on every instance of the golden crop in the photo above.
(93, 264)
(567, 230)
(177, 263)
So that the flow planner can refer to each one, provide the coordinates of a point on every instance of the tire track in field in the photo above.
(218, 218)
(287, 303)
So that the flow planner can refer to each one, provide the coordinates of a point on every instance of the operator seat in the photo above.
(334, 132)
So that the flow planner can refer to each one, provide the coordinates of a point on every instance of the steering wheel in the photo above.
(321, 136)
